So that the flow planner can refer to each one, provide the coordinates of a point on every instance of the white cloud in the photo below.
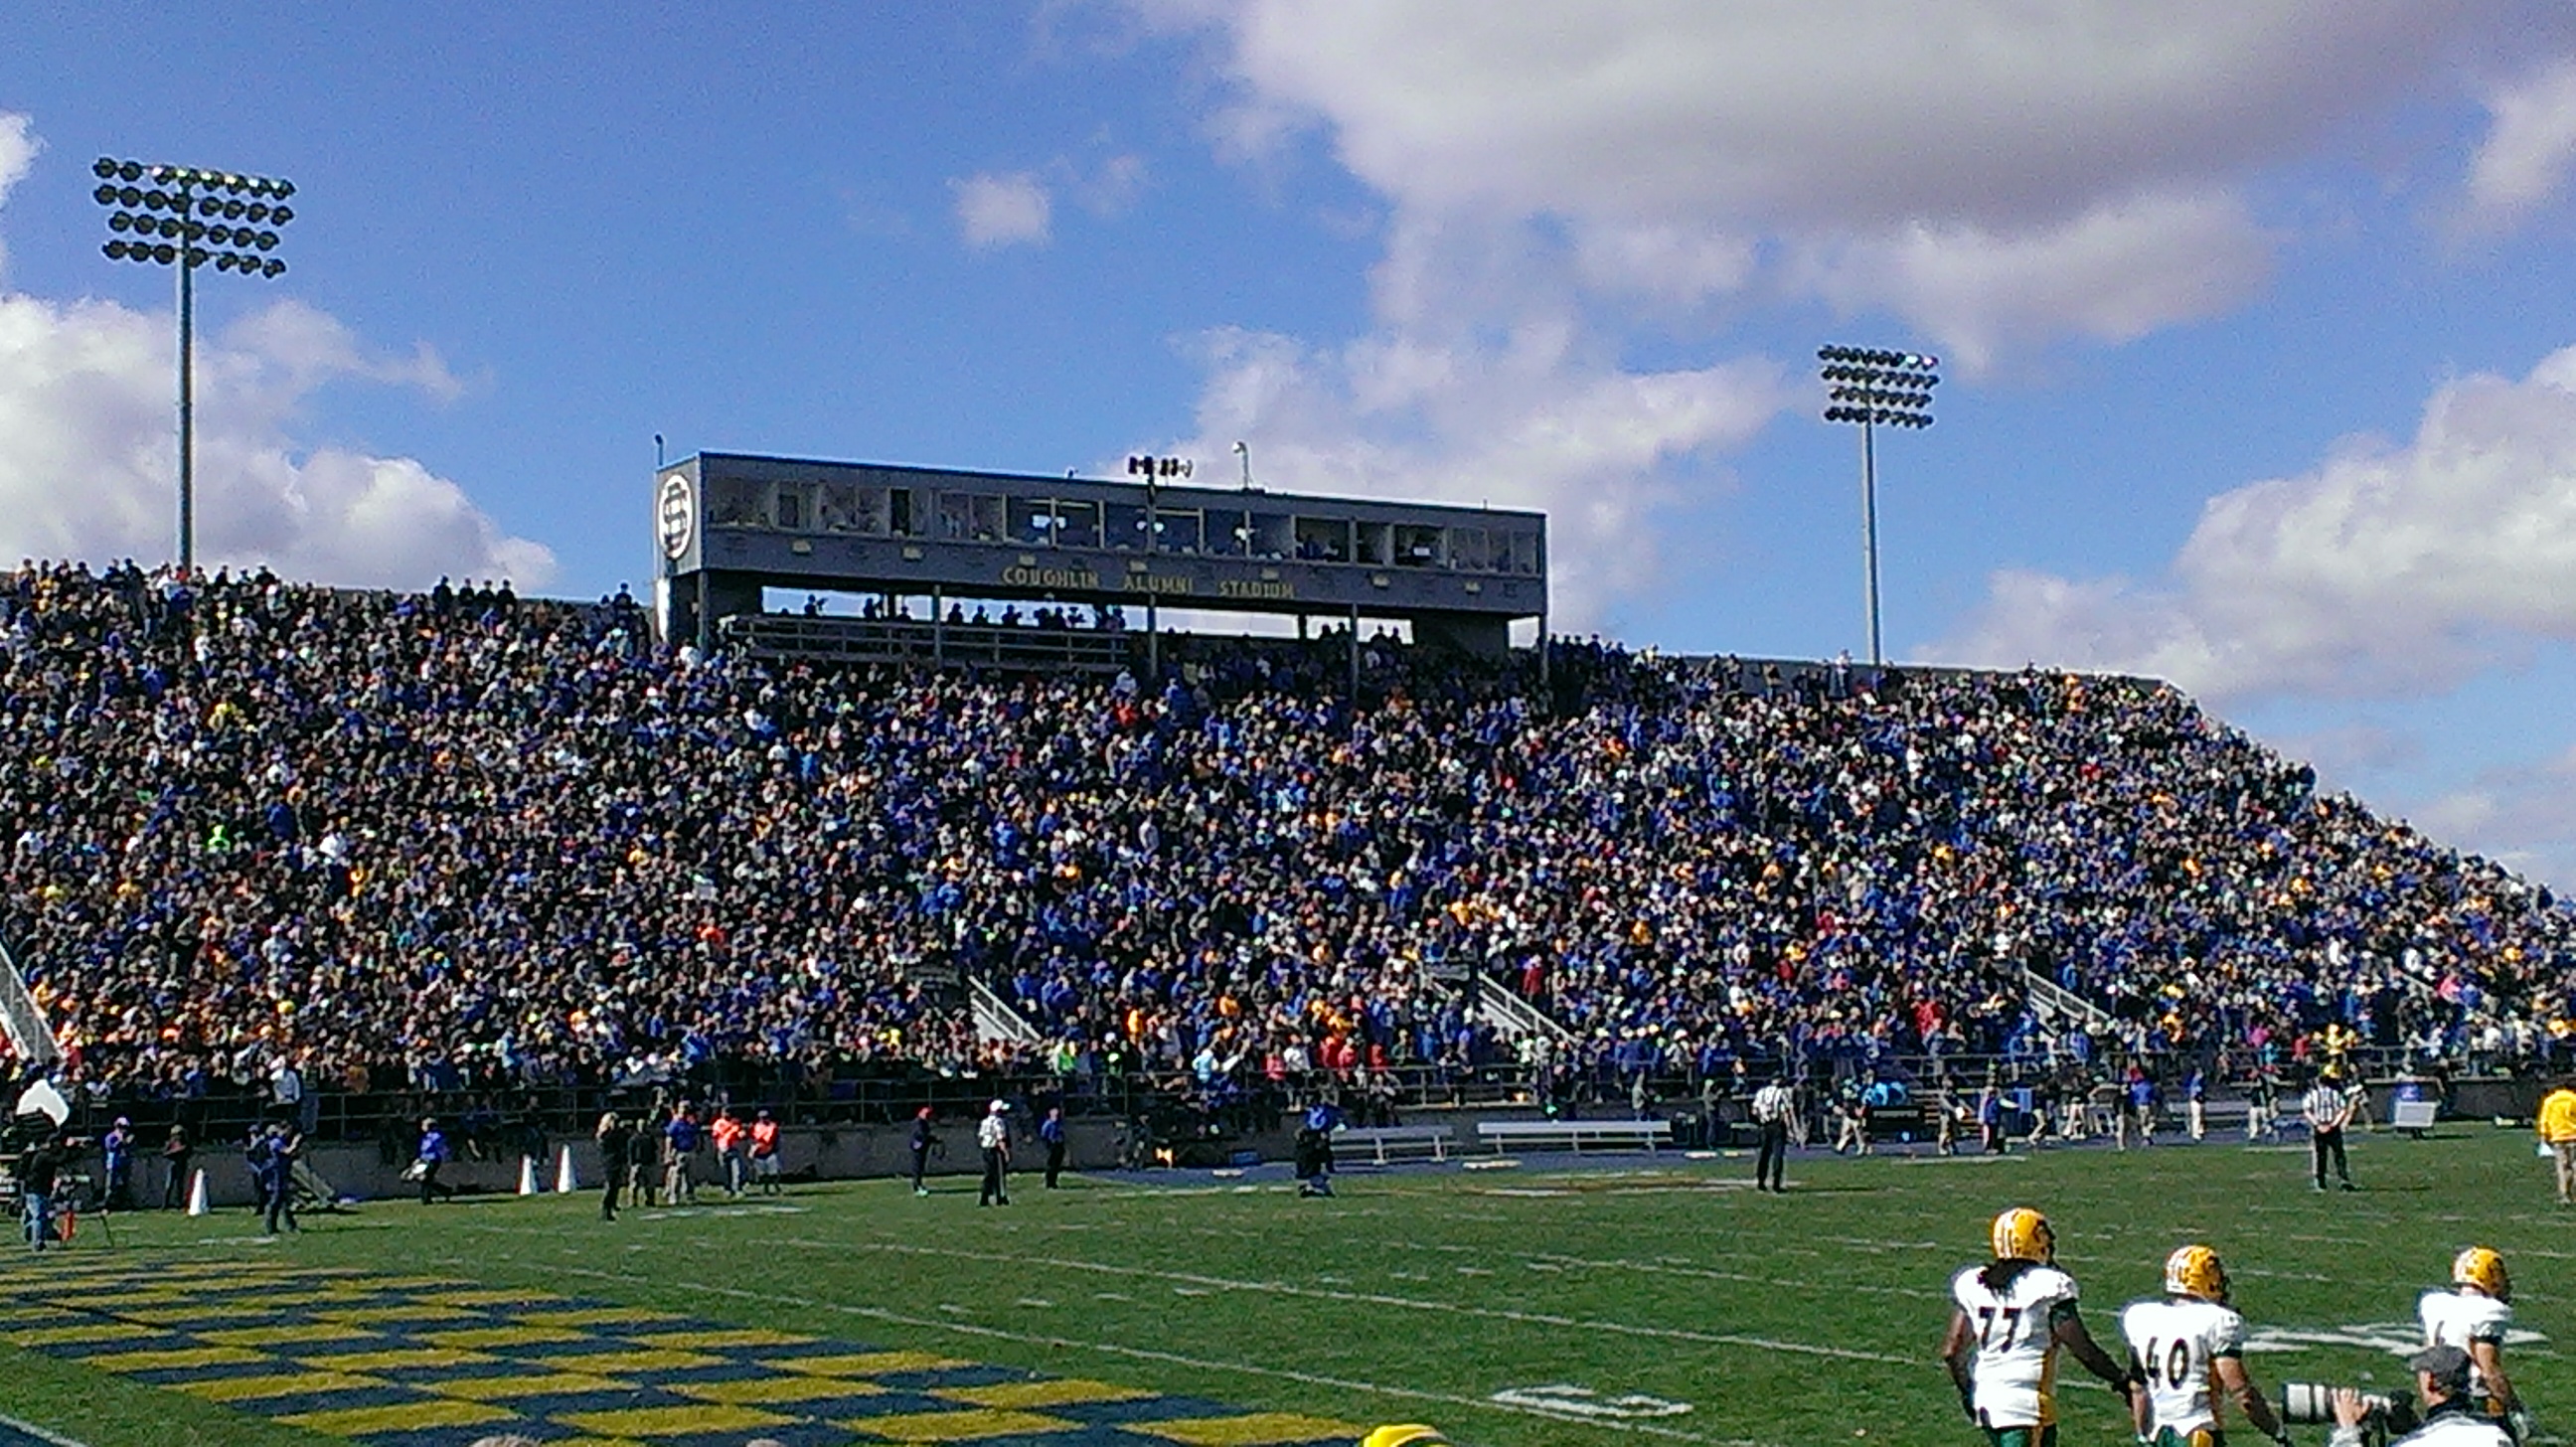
(2028, 169)
(2526, 154)
(1670, 264)
(2522, 815)
(1112, 187)
(2387, 570)
(2003, 113)
(996, 210)
(1522, 424)
(2000, 174)
(2114, 274)
(18, 147)
(88, 454)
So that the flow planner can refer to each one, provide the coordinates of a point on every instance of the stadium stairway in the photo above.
(996, 1020)
(30, 1038)
(1514, 1018)
(2059, 1008)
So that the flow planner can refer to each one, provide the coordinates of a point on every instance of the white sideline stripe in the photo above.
(40, 1434)
(1711, 1273)
(1281, 1288)
(1150, 1354)
(1405, 1303)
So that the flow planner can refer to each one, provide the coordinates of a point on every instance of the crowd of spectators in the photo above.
(464, 840)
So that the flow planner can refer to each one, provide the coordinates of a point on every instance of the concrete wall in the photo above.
(811, 1153)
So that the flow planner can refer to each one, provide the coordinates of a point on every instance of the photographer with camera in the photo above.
(2451, 1416)
(40, 1168)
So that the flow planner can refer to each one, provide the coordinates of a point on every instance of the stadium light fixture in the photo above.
(1871, 388)
(187, 217)
(1155, 470)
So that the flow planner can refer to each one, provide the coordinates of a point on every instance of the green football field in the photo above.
(1614, 1302)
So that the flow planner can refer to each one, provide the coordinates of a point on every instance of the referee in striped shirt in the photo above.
(2328, 1109)
(1772, 1105)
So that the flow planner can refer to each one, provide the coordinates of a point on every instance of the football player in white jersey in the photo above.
(2184, 1344)
(2473, 1316)
(2014, 1314)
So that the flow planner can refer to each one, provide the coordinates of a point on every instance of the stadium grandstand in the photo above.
(503, 857)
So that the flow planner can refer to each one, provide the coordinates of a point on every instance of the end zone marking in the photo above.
(282, 1360)
(1152, 1354)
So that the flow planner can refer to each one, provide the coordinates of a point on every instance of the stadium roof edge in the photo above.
(1175, 486)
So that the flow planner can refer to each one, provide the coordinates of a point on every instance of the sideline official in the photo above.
(2328, 1107)
(1771, 1107)
(993, 1137)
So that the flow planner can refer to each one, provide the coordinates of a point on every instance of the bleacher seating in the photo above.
(456, 838)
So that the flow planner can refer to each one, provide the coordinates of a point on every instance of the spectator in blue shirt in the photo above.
(679, 1144)
(1051, 1132)
(429, 1160)
(116, 1153)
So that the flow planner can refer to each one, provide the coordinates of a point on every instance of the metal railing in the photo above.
(832, 638)
(2052, 1002)
(997, 1020)
(1495, 1003)
(22, 1018)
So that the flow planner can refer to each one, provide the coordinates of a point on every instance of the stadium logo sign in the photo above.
(1564, 1399)
(1050, 577)
(675, 513)
(2397, 1338)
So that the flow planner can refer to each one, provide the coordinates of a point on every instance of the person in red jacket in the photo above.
(764, 1152)
(727, 1135)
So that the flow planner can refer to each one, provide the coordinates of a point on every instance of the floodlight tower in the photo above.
(1875, 389)
(1154, 470)
(184, 217)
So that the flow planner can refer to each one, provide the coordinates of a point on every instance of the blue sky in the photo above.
(2252, 316)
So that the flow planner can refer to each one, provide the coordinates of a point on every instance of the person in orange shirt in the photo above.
(764, 1153)
(727, 1134)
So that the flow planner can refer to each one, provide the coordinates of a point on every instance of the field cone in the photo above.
(565, 1182)
(527, 1176)
(197, 1194)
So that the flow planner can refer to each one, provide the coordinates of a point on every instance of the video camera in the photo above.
(26, 1131)
(2311, 1403)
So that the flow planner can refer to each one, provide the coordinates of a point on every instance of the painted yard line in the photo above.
(1152, 1354)
(41, 1434)
(1403, 1303)
(1709, 1273)
(1281, 1288)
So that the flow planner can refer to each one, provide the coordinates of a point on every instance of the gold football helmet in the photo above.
(1406, 1434)
(2481, 1267)
(2195, 1270)
(2022, 1234)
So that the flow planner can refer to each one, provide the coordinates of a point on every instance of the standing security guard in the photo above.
(1771, 1107)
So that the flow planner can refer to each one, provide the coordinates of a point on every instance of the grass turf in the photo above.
(1423, 1295)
